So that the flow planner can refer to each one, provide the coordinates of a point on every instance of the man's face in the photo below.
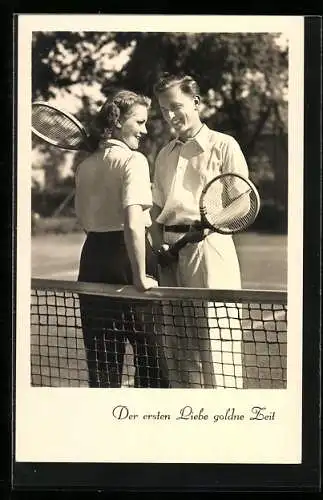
(179, 110)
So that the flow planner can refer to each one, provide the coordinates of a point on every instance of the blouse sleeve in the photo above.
(136, 189)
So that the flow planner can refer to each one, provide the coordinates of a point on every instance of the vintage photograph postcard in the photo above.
(159, 255)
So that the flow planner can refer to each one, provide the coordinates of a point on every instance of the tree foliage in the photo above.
(242, 76)
(61, 59)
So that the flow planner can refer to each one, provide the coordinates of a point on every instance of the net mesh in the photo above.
(237, 339)
(239, 204)
(57, 127)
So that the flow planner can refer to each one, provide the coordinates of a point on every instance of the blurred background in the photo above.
(244, 89)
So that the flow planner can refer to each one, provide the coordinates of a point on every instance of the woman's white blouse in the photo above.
(107, 182)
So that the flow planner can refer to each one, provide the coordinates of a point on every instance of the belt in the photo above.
(178, 228)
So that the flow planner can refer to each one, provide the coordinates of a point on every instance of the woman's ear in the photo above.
(118, 124)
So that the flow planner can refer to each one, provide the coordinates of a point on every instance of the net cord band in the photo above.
(166, 293)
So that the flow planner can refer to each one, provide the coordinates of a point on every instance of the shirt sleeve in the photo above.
(234, 162)
(157, 192)
(136, 189)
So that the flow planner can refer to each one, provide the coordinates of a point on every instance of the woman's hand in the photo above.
(145, 283)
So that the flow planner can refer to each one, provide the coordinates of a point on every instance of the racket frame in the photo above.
(204, 224)
(70, 117)
(204, 221)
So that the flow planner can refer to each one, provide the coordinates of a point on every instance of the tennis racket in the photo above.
(59, 128)
(228, 204)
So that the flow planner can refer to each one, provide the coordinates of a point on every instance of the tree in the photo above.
(243, 78)
(61, 59)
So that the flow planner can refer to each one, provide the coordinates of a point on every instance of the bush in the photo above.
(45, 202)
(56, 225)
(272, 218)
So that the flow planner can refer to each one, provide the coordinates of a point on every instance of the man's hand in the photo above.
(165, 257)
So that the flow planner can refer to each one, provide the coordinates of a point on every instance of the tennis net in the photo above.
(98, 335)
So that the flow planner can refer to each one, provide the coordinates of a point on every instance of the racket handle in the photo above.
(176, 247)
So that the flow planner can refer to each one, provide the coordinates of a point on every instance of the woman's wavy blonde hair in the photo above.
(114, 109)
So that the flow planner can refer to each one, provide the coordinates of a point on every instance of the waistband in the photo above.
(102, 233)
(109, 235)
(117, 231)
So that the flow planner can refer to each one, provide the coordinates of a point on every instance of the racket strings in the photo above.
(56, 127)
(230, 204)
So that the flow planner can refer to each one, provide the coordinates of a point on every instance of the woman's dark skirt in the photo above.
(108, 323)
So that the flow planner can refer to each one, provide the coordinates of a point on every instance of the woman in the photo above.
(112, 202)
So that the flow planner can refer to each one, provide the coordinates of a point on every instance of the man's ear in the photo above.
(197, 101)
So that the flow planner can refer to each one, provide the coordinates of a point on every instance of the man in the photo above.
(205, 351)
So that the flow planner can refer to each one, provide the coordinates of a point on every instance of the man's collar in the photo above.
(201, 138)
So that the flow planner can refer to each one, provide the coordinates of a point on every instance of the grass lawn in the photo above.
(263, 258)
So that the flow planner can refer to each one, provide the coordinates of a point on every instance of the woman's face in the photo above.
(133, 126)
